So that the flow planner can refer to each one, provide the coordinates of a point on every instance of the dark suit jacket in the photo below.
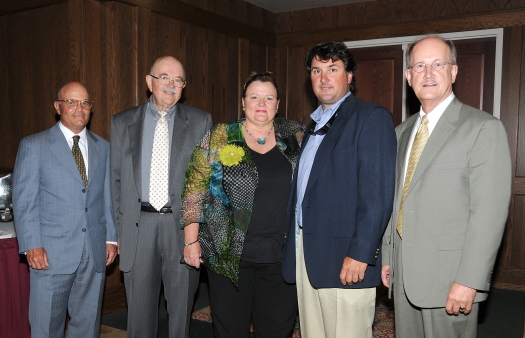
(348, 199)
(189, 127)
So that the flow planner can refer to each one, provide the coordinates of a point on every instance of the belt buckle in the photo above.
(164, 210)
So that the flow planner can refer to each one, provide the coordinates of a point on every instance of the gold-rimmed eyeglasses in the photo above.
(71, 103)
(436, 65)
(164, 80)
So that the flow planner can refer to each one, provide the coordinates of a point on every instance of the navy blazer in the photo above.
(348, 199)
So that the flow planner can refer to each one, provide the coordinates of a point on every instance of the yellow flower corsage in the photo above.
(231, 155)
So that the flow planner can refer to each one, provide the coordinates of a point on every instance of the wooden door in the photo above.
(379, 78)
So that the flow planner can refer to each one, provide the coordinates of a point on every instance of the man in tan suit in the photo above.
(450, 205)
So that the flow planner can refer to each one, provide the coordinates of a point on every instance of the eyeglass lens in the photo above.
(85, 104)
(164, 80)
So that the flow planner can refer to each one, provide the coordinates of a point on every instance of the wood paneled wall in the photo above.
(391, 18)
(110, 45)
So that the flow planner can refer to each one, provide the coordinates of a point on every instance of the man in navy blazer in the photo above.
(64, 219)
(340, 202)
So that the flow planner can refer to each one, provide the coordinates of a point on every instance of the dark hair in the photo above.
(332, 50)
(449, 43)
(262, 77)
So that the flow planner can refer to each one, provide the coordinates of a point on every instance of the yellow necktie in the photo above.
(77, 154)
(415, 153)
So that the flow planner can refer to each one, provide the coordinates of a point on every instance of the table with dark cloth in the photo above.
(14, 288)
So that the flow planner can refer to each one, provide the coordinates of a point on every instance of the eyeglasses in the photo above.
(164, 80)
(436, 65)
(85, 104)
(324, 129)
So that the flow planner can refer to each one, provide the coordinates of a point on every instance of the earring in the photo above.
(243, 108)
(277, 110)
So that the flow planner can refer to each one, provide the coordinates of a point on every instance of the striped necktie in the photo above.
(417, 148)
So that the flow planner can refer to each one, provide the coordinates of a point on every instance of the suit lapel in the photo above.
(135, 140)
(324, 152)
(60, 149)
(404, 139)
(178, 141)
(437, 139)
(93, 154)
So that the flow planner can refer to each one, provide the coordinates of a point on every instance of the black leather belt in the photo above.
(146, 207)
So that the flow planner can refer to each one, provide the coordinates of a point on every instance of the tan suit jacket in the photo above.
(455, 209)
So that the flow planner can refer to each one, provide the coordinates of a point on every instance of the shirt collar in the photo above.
(435, 114)
(68, 134)
(321, 116)
(154, 110)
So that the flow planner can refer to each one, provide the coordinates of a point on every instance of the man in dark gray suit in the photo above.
(450, 204)
(146, 192)
(63, 218)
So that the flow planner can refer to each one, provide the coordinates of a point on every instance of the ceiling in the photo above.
(278, 6)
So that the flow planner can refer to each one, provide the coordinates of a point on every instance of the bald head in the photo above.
(77, 85)
(166, 59)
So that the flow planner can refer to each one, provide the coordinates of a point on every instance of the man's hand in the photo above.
(37, 259)
(385, 275)
(192, 255)
(352, 271)
(111, 253)
(460, 299)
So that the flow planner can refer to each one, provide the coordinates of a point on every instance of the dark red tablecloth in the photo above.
(14, 291)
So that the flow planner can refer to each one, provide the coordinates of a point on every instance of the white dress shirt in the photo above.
(82, 143)
(433, 118)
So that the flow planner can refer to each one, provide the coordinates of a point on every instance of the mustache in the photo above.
(169, 90)
(430, 81)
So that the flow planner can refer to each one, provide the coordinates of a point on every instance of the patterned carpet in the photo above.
(383, 322)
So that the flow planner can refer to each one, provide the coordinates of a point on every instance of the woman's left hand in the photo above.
(192, 255)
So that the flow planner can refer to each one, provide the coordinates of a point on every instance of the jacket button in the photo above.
(84, 230)
(139, 200)
(137, 224)
(84, 191)
(86, 209)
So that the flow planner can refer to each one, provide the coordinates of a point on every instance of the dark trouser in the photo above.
(262, 293)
